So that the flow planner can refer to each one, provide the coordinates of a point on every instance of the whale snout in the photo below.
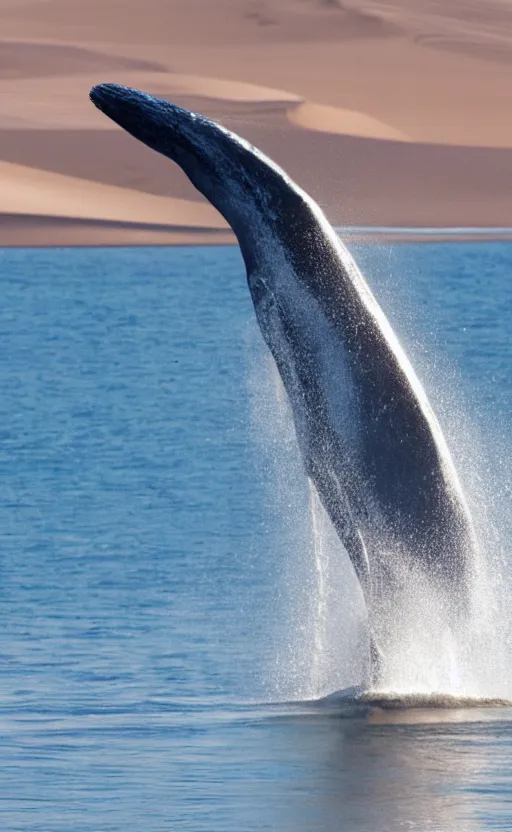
(115, 100)
(165, 127)
(212, 157)
(101, 94)
(243, 184)
(152, 120)
(115, 97)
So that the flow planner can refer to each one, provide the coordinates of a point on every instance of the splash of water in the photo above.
(321, 637)
(320, 640)
(322, 575)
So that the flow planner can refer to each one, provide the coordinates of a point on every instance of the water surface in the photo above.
(156, 595)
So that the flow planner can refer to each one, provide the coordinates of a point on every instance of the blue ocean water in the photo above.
(144, 649)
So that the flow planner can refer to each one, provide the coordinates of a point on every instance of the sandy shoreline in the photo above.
(54, 232)
(389, 114)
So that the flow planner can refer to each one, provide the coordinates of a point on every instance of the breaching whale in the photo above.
(369, 439)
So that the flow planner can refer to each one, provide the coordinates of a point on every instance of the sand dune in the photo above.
(194, 23)
(31, 191)
(389, 112)
(343, 122)
(44, 230)
(44, 102)
(54, 209)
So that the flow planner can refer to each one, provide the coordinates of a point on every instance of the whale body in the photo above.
(368, 437)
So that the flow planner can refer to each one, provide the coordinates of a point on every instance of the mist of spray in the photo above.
(320, 628)
(319, 620)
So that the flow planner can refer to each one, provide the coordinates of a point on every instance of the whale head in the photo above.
(247, 188)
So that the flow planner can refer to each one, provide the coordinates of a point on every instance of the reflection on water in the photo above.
(387, 772)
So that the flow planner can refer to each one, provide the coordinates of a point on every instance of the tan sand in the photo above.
(29, 191)
(388, 113)
(327, 119)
